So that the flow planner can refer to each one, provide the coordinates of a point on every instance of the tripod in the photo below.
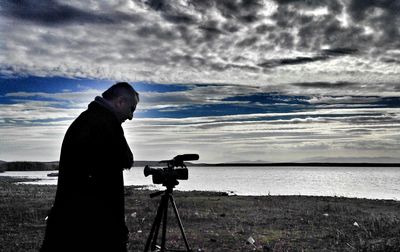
(162, 213)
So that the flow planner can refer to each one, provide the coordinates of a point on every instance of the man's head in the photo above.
(123, 98)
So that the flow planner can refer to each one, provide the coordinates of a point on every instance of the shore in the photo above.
(217, 222)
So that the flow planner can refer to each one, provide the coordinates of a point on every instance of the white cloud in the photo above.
(66, 96)
(298, 138)
(238, 137)
(329, 50)
(211, 41)
(35, 112)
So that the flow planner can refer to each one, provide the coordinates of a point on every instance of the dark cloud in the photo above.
(391, 60)
(189, 60)
(361, 9)
(157, 31)
(170, 12)
(325, 29)
(382, 16)
(45, 12)
(180, 18)
(300, 60)
(231, 27)
(200, 38)
(210, 22)
(263, 28)
(325, 84)
(53, 13)
(210, 30)
(323, 55)
(247, 42)
(339, 51)
(334, 6)
(290, 61)
(210, 27)
(157, 4)
(285, 39)
(243, 67)
(372, 24)
(244, 11)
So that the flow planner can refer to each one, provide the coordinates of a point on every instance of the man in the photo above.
(88, 211)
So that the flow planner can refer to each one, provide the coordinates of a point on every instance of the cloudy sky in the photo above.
(231, 80)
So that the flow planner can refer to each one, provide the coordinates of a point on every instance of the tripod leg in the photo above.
(164, 202)
(179, 222)
(155, 227)
(164, 230)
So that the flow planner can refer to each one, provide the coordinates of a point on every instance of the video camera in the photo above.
(170, 175)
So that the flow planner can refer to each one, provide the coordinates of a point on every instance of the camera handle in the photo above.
(162, 213)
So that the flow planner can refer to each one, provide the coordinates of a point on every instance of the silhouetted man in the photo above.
(88, 211)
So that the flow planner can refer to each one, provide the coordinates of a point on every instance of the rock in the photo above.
(267, 248)
(250, 240)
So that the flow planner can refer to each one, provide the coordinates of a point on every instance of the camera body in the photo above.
(163, 175)
(170, 175)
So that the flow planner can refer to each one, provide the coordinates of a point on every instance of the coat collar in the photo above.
(105, 104)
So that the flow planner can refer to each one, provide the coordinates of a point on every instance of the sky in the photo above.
(231, 80)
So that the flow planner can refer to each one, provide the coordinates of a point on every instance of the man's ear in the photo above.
(118, 101)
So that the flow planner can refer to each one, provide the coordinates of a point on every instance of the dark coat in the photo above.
(88, 212)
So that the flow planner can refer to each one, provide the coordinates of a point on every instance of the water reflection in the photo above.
(360, 182)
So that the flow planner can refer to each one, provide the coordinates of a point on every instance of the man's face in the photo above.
(125, 107)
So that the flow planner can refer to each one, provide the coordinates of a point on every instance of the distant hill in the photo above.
(149, 163)
(353, 160)
(28, 166)
(2, 169)
(325, 164)
(155, 164)
(47, 166)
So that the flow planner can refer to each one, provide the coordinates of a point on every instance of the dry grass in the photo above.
(217, 222)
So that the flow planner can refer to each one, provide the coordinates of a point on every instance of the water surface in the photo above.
(360, 182)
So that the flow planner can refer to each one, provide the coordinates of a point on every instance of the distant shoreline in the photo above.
(305, 164)
(49, 166)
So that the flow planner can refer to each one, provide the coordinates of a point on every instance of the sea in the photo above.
(354, 182)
